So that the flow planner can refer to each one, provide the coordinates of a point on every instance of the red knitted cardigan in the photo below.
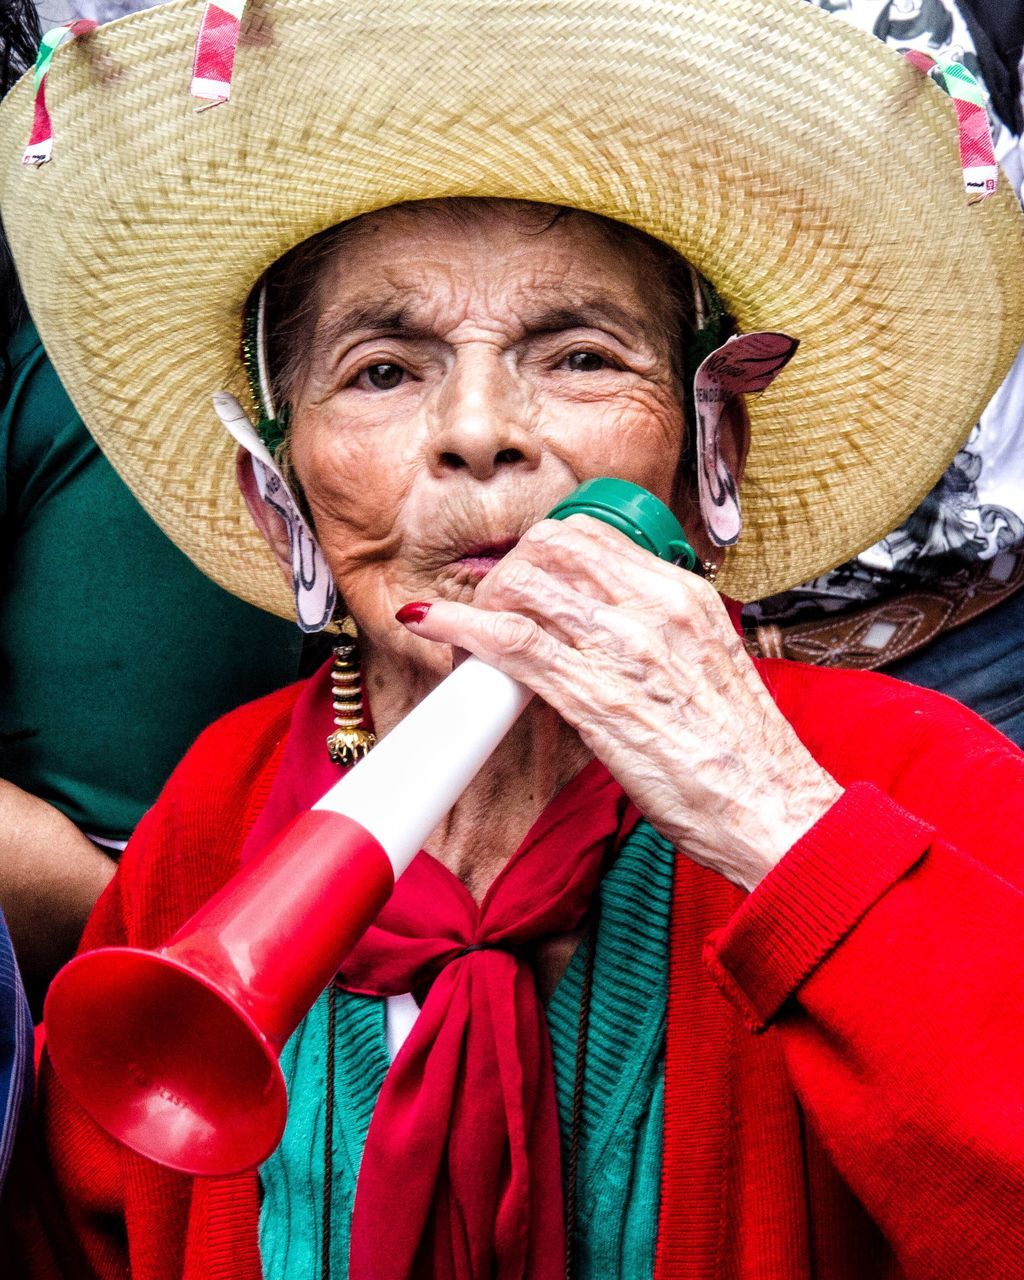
(845, 1046)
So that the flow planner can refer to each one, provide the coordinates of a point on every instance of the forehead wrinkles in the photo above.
(645, 277)
(516, 296)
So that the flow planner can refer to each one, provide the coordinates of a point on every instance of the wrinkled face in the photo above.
(462, 378)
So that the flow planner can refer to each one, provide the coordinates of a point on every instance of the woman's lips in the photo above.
(477, 562)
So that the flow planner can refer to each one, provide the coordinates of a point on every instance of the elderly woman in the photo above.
(713, 970)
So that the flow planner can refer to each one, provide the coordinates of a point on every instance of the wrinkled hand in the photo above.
(641, 658)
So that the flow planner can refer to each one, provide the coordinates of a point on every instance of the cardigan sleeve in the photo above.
(886, 952)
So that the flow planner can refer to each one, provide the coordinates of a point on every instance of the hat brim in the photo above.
(800, 165)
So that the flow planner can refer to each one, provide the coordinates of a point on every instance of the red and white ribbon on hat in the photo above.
(40, 143)
(977, 154)
(215, 50)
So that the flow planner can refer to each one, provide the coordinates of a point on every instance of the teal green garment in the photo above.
(623, 1106)
(115, 651)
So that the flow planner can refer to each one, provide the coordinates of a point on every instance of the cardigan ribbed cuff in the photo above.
(812, 899)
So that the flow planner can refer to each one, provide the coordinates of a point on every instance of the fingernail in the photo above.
(414, 612)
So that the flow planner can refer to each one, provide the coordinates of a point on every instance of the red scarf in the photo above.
(461, 1175)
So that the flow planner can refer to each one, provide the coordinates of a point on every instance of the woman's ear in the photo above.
(267, 519)
(279, 519)
(293, 543)
(720, 445)
(745, 364)
(721, 457)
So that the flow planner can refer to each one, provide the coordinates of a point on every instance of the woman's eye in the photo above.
(585, 362)
(384, 377)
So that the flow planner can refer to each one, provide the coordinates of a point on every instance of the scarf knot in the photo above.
(461, 1175)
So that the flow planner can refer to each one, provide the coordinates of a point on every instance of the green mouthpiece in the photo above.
(642, 517)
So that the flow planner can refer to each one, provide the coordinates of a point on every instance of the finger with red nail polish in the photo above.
(415, 611)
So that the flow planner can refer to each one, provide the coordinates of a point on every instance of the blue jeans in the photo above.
(981, 664)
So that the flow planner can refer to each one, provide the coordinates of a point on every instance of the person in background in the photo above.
(16, 1074)
(16, 1077)
(115, 651)
(938, 601)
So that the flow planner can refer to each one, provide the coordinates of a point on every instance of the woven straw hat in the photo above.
(800, 165)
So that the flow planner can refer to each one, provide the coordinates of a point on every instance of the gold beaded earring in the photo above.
(350, 741)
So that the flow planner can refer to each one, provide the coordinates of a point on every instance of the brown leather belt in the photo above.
(877, 634)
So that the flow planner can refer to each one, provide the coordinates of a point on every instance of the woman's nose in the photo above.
(483, 419)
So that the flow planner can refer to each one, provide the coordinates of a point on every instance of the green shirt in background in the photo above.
(115, 651)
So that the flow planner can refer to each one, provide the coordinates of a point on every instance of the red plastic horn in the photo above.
(175, 1051)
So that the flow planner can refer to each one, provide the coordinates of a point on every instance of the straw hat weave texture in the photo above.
(801, 166)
